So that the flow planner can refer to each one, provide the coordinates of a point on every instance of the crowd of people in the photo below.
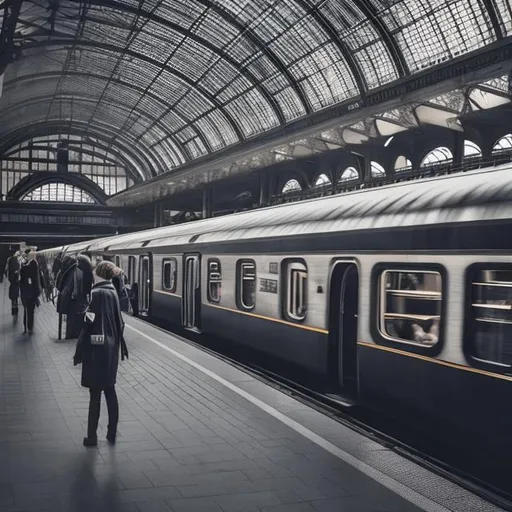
(92, 300)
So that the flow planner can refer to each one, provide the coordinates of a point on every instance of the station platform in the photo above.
(195, 435)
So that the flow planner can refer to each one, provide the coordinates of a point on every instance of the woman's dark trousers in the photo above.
(94, 411)
(28, 316)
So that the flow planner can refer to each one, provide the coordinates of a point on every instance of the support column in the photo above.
(207, 203)
(157, 214)
(263, 189)
(458, 146)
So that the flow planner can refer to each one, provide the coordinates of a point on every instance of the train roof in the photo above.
(463, 197)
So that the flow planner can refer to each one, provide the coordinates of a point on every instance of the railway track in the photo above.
(355, 418)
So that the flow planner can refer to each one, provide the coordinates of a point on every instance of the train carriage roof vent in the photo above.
(194, 238)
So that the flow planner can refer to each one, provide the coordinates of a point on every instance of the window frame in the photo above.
(209, 280)
(174, 280)
(239, 287)
(381, 338)
(132, 269)
(286, 271)
(467, 332)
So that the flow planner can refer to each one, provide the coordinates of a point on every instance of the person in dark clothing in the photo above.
(101, 339)
(30, 289)
(13, 274)
(119, 283)
(74, 284)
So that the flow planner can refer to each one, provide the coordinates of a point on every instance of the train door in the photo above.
(191, 301)
(145, 276)
(344, 307)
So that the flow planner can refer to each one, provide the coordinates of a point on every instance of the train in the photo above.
(400, 295)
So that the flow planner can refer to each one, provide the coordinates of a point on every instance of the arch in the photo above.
(291, 185)
(377, 170)
(471, 150)
(349, 174)
(321, 180)
(40, 178)
(135, 156)
(58, 192)
(438, 156)
(503, 144)
(402, 163)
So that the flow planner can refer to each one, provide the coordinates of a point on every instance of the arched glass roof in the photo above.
(60, 193)
(173, 80)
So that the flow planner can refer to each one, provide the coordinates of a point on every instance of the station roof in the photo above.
(173, 81)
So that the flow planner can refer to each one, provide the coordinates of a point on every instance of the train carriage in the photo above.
(402, 295)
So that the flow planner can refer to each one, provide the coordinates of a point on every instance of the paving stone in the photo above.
(186, 443)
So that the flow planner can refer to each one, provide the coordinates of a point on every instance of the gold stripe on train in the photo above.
(277, 320)
(436, 361)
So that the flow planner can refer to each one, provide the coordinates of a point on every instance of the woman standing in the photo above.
(30, 289)
(13, 274)
(98, 348)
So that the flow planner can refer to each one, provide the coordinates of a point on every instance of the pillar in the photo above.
(207, 203)
(263, 189)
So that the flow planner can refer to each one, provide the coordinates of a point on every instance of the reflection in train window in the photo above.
(410, 306)
(169, 281)
(214, 280)
(296, 290)
(490, 333)
(246, 284)
(132, 266)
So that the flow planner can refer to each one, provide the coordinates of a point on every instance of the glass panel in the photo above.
(491, 306)
(403, 164)
(377, 170)
(410, 308)
(349, 174)
(59, 192)
(471, 150)
(291, 186)
(437, 156)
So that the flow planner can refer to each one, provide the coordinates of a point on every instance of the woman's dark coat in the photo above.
(65, 284)
(100, 362)
(30, 285)
(13, 274)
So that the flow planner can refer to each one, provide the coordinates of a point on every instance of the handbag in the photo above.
(96, 339)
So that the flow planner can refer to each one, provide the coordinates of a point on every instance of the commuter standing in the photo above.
(100, 341)
(13, 274)
(119, 282)
(30, 289)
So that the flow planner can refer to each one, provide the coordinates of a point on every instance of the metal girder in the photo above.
(11, 13)
(116, 49)
(342, 47)
(387, 38)
(263, 47)
(41, 128)
(39, 178)
(493, 16)
(194, 37)
(73, 97)
(128, 85)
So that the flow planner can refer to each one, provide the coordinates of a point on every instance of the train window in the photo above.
(214, 280)
(410, 306)
(117, 261)
(489, 337)
(296, 290)
(169, 267)
(132, 269)
(246, 284)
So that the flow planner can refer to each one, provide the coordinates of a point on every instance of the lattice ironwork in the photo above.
(176, 80)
